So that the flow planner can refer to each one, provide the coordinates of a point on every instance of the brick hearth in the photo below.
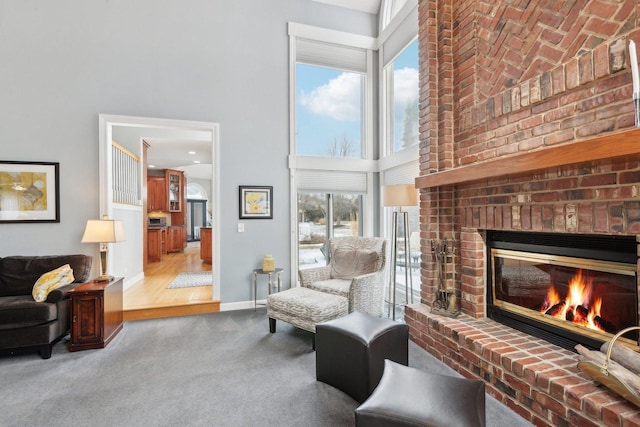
(501, 79)
(537, 380)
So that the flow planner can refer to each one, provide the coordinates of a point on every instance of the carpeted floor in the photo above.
(221, 369)
(191, 279)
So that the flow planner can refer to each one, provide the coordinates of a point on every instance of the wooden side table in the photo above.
(270, 274)
(96, 314)
(205, 244)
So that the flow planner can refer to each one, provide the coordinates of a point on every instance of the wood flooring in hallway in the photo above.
(150, 298)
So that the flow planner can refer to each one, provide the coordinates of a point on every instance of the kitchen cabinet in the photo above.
(205, 244)
(179, 218)
(177, 238)
(175, 190)
(156, 193)
(156, 244)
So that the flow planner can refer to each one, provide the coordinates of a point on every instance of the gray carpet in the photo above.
(222, 369)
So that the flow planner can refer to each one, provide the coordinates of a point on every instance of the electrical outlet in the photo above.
(240, 227)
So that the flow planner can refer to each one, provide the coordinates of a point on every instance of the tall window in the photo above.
(402, 107)
(332, 137)
(328, 112)
(400, 127)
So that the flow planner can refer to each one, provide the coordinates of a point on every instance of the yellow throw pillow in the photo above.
(52, 280)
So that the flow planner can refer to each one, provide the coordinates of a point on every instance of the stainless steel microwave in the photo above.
(156, 222)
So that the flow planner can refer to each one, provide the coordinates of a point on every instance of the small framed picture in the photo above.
(256, 202)
(29, 192)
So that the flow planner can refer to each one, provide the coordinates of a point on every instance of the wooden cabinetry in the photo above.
(175, 190)
(205, 244)
(156, 193)
(156, 244)
(96, 314)
(176, 238)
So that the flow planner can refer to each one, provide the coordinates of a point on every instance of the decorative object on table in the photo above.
(397, 196)
(256, 202)
(29, 191)
(192, 279)
(268, 263)
(633, 60)
(103, 231)
(611, 373)
(446, 303)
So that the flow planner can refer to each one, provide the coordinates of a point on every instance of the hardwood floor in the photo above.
(150, 298)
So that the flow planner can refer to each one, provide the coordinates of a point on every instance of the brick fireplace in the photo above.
(526, 126)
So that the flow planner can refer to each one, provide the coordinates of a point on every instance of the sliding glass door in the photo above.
(322, 216)
(196, 218)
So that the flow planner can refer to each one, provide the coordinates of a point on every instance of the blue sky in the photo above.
(328, 102)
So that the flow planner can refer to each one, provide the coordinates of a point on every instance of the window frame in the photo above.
(387, 105)
(402, 166)
(365, 165)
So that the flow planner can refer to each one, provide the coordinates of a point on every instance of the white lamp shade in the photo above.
(103, 231)
(399, 195)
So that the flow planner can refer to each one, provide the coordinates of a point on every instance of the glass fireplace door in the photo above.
(596, 298)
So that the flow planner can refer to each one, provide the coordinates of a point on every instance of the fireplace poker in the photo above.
(445, 300)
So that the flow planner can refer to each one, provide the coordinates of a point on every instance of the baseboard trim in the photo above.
(171, 311)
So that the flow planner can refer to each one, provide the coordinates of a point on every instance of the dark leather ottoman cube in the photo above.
(409, 397)
(350, 351)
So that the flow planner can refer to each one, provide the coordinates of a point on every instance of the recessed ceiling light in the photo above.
(152, 166)
(192, 152)
(196, 161)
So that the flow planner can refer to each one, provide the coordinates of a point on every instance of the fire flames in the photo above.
(578, 306)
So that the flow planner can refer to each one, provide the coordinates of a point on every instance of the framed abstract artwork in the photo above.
(29, 192)
(256, 202)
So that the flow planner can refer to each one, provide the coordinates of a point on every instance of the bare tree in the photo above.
(341, 148)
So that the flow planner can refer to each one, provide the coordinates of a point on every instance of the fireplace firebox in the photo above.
(566, 289)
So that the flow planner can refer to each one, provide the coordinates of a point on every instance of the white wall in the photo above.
(222, 61)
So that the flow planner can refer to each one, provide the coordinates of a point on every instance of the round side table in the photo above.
(276, 272)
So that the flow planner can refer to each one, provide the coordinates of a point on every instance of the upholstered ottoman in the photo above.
(409, 397)
(304, 308)
(350, 351)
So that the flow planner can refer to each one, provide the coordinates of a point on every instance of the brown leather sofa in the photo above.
(27, 325)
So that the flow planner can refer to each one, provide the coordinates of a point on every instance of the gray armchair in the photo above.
(355, 271)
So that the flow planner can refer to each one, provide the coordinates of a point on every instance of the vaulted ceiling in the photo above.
(369, 6)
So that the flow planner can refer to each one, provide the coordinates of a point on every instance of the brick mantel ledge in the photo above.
(536, 379)
(606, 146)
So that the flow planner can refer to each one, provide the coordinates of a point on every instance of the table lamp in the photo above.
(103, 231)
(398, 196)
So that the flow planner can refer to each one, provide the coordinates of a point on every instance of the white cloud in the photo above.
(339, 99)
(405, 86)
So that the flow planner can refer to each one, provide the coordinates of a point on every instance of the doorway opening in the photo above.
(128, 257)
